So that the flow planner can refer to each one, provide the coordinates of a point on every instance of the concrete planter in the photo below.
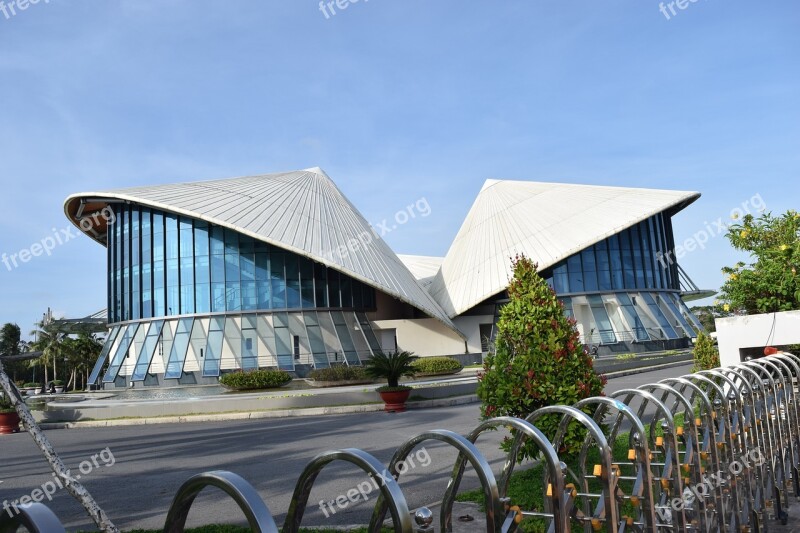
(326, 384)
(9, 423)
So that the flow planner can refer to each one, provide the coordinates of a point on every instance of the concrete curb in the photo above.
(255, 415)
(307, 411)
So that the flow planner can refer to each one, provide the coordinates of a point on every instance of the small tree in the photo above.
(770, 283)
(537, 359)
(706, 355)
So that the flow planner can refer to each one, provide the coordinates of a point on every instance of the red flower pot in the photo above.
(395, 400)
(9, 423)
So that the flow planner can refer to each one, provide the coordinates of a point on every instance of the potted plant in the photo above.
(391, 367)
(59, 385)
(9, 419)
(30, 388)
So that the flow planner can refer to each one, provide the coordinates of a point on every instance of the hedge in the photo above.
(255, 379)
(437, 365)
(339, 373)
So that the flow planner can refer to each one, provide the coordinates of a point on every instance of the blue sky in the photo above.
(396, 101)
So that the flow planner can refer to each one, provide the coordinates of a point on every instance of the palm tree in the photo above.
(50, 340)
(391, 366)
(82, 353)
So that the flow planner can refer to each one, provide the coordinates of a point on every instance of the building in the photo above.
(281, 270)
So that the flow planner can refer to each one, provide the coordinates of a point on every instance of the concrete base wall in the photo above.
(739, 336)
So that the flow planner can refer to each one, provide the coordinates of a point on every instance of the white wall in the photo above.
(755, 331)
(470, 326)
(424, 337)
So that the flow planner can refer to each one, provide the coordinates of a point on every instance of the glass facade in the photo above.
(162, 265)
(635, 258)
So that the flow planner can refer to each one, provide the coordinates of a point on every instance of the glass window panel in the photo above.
(306, 282)
(120, 353)
(202, 297)
(575, 271)
(145, 355)
(217, 242)
(171, 242)
(267, 336)
(292, 282)
(345, 339)
(247, 264)
(264, 290)
(320, 280)
(217, 269)
(218, 299)
(366, 327)
(202, 269)
(684, 325)
(231, 242)
(231, 266)
(659, 315)
(589, 270)
(632, 317)
(262, 266)
(246, 245)
(283, 341)
(346, 287)
(333, 289)
(357, 334)
(318, 350)
(278, 280)
(200, 239)
(233, 296)
(249, 297)
(233, 337)
(213, 353)
(601, 319)
(249, 343)
(198, 340)
(101, 361)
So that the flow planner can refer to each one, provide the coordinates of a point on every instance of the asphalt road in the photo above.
(149, 463)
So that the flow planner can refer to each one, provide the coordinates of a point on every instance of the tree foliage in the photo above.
(537, 360)
(707, 314)
(770, 283)
(706, 355)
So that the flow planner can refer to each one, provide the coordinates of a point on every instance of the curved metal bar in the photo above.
(466, 451)
(679, 517)
(642, 449)
(242, 492)
(608, 475)
(379, 476)
(525, 430)
(34, 517)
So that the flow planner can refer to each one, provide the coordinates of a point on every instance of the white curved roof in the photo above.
(424, 267)
(547, 222)
(301, 211)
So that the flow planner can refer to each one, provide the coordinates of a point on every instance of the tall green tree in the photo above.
(707, 314)
(537, 360)
(10, 341)
(770, 282)
(81, 353)
(50, 340)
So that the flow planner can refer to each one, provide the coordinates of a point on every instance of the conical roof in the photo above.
(547, 222)
(301, 211)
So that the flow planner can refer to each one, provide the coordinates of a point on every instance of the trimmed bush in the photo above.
(255, 379)
(339, 373)
(428, 366)
(706, 356)
(31, 385)
(538, 360)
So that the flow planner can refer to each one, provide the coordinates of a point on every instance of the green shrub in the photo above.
(255, 379)
(625, 356)
(58, 382)
(5, 403)
(538, 360)
(31, 385)
(706, 356)
(437, 365)
(339, 373)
